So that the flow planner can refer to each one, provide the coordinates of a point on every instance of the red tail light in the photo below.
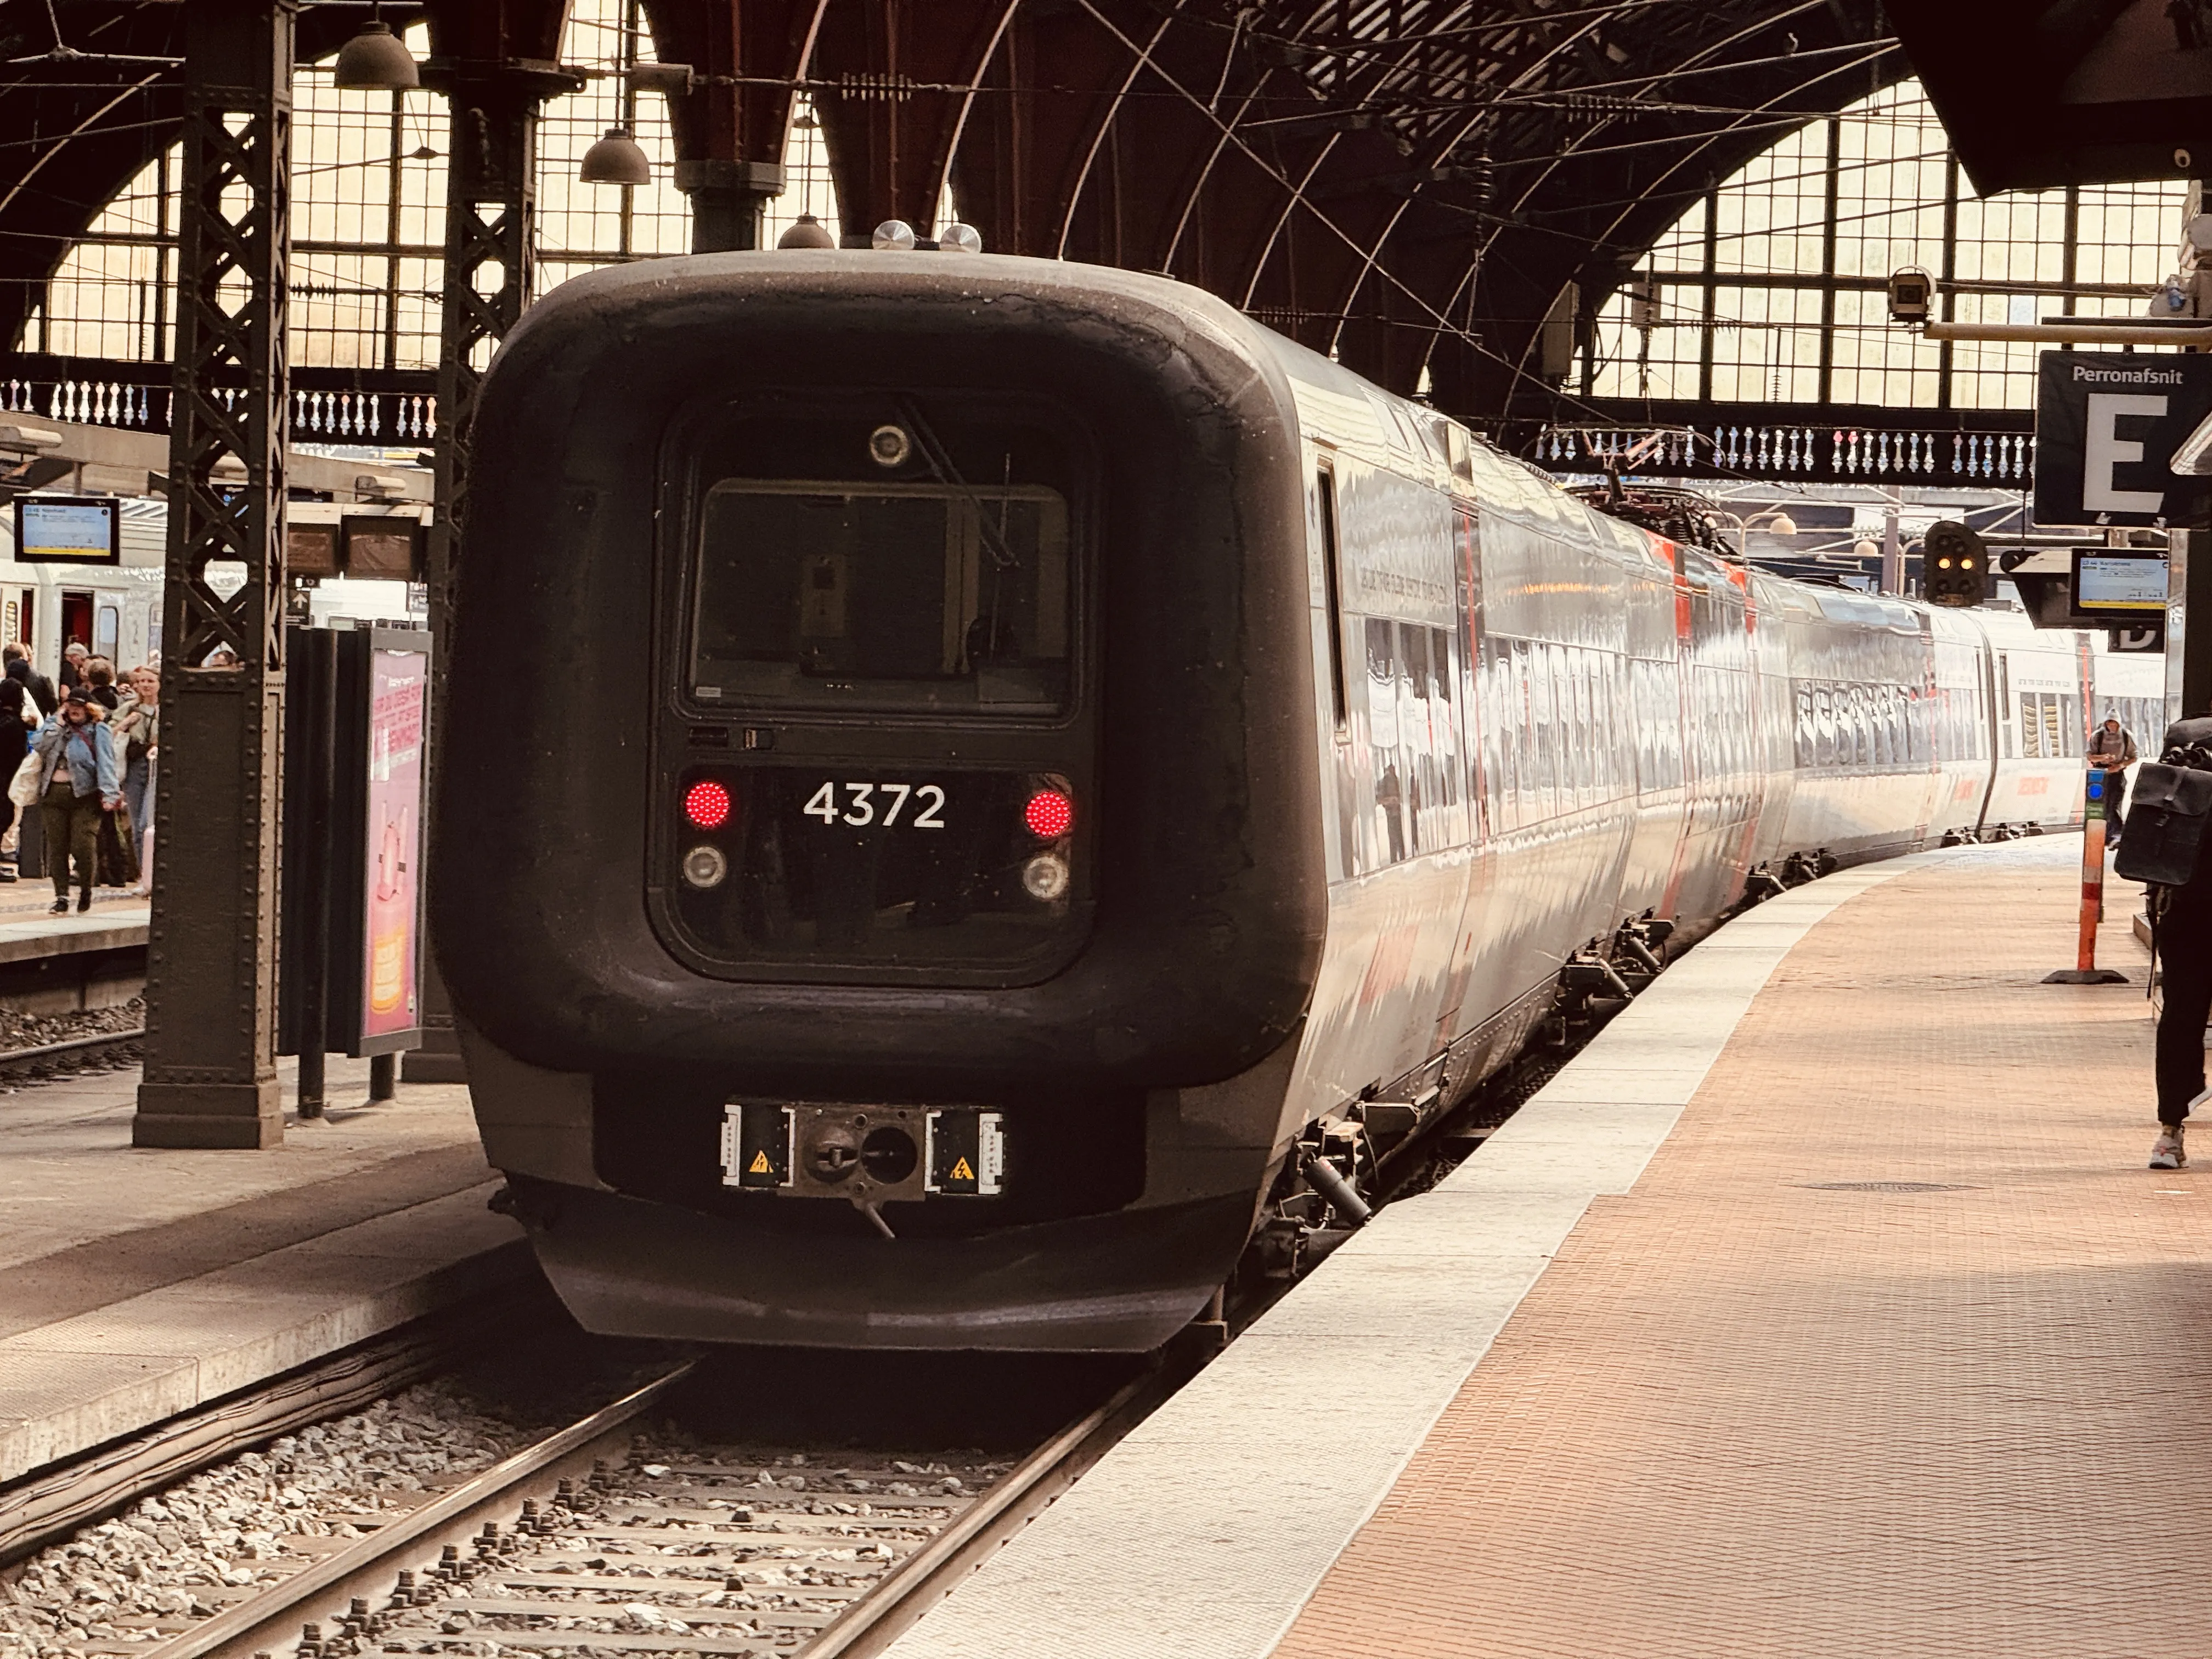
(707, 803)
(1049, 815)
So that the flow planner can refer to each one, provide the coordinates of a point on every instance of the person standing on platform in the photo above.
(77, 782)
(138, 728)
(73, 660)
(14, 743)
(2183, 928)
(99, 679)
(2111, 751)
(41, 689)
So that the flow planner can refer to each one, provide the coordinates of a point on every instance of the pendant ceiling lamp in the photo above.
(376, 60)
(616, 159)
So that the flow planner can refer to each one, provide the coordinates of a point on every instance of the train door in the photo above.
(18, 605)
(1343, 745)
(76, 619)
(108, 627)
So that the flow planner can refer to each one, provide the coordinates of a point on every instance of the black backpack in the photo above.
(2170, 809)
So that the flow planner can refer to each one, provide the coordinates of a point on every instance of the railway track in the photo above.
(611, 1536)
(72, 1052)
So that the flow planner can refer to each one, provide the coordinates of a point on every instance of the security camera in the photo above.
(1911, 296)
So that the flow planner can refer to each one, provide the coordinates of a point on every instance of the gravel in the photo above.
(189, 1551)
(19, 1030)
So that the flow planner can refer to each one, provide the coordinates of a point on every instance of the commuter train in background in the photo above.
(115, 610)
(977, 790)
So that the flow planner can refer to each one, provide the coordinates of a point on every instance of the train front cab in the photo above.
(908, 818)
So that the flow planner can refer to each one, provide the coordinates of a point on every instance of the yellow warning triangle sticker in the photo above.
(759, 1165)
(961, 1172)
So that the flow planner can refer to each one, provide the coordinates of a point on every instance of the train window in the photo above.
(1387, 763)
(1416, 737)
(1332, 597)
(1544, 683)
(1449, 724)
(892, 596)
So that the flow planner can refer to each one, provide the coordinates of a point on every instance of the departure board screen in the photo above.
(2119, 584)
(68, 530)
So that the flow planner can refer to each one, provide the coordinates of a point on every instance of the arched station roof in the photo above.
(1414, 184)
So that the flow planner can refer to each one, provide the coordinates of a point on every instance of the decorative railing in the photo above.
(135, 396)
(1802, 443)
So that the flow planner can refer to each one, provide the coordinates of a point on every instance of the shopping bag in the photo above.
(23, 787)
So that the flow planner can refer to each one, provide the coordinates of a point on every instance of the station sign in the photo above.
(2106, 426)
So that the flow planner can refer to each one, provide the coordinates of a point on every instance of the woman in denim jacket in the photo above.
(77, 781)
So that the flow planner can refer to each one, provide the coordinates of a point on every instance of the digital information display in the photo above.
(68, 530)
(2119, 584)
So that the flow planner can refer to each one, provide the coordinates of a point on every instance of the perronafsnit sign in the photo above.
(2106, 426)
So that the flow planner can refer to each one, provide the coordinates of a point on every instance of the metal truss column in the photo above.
(490, 250)
(210, 1072)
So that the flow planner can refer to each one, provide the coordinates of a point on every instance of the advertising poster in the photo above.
(398, 683)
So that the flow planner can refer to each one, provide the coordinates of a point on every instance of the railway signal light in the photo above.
(1954, 565)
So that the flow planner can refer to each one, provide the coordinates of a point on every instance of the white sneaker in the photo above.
(2166, 1152)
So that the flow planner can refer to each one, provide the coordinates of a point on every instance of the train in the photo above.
(979, 794)
(114, 610)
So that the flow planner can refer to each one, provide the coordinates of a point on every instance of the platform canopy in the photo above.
(1416, 184)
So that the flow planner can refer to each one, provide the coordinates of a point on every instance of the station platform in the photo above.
(1822, 1306)
(136, 1284)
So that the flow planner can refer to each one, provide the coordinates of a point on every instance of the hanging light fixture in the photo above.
(376, 60)
(807, 231)
(616, 159)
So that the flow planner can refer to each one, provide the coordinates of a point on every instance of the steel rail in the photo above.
(910, 1590)
(48, 1506)
(271, 1619)
(12, 1058)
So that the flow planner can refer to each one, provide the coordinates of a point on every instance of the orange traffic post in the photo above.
(2085, 970)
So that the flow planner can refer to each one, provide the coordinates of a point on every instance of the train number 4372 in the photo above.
(878, 803)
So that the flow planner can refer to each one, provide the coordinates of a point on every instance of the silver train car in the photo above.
(1031, 785)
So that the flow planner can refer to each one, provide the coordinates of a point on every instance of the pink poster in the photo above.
(398, 681)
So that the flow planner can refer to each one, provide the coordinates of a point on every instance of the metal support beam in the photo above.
(210, 1073)
(2129, 334)
(728, 201)
(490, 249)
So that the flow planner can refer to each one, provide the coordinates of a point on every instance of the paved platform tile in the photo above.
(1204, 1533)
(1895, 1348)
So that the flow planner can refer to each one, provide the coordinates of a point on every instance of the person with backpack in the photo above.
(2111, 751)
(2167, 849)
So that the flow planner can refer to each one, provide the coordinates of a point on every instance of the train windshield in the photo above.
(886, 596)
